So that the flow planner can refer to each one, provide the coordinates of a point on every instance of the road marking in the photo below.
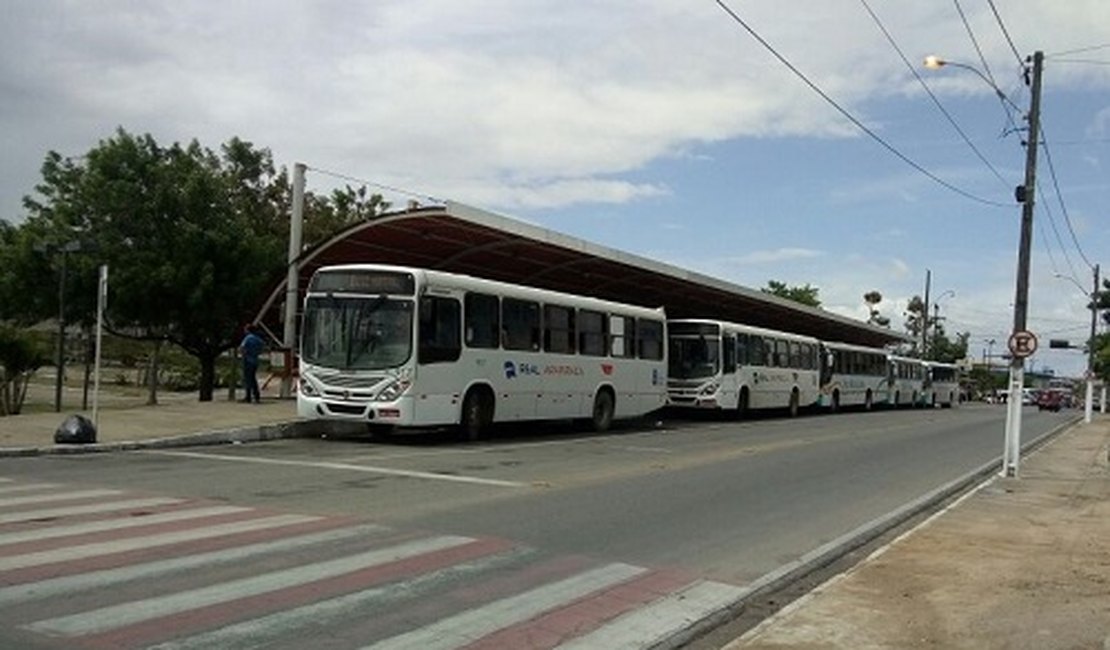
(39, 534)
(64, 496)
(86, 551)
(92, 508)
(108, 577)
(347, 467)
(290, 623)
(27, 487)
(647, 626)
(124, 614)
(469, 626)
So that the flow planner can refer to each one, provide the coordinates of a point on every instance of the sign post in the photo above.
(1022, 344)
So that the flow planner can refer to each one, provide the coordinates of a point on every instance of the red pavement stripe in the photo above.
(217, 615)
(204, 517)
(111, 560)
(555, 627)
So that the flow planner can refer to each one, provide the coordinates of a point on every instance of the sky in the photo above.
(751, 140)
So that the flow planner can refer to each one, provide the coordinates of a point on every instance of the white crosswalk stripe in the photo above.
(108, 618)
(40, 534)
(85, 551)
(468, 627)
(61, 496)
(87, 509)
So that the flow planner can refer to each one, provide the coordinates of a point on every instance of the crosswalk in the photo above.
(84, 567)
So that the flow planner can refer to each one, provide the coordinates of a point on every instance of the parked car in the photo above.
(1050, 400)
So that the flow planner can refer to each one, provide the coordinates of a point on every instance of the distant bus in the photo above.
(853, 375)
(723, 366)
(410, 347)
(941, 384)
(905, 381)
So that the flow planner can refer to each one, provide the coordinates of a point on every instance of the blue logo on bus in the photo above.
(510, 370)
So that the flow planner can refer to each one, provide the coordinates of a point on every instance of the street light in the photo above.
(60, 354)
(949, 293)
(1090, 374)
(1024, 195)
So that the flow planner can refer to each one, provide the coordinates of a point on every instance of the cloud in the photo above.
(777, 255)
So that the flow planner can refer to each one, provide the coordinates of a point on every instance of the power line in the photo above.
(363, 181)
(851, 118)
(1005, 32)
(975, 42)
(1060, 198)
(929, 91)
(1078, 51)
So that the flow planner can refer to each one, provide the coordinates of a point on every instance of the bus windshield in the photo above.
(357, 333)
(693, 357)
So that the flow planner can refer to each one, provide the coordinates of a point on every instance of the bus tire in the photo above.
(794, 399)
(744, 404)
(835, 405)
(604, 406)
(868, 402)
(477, 414)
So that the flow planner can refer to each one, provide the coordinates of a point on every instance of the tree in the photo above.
(916, 321)
(806, 295)
(326, 216)
(872, 299)
(20, 357)
(193, 237)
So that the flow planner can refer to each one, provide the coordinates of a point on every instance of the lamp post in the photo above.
(1024, 195)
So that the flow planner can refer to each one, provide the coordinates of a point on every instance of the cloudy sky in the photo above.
(665, 128)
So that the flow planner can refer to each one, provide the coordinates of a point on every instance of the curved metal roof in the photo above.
(461, 239)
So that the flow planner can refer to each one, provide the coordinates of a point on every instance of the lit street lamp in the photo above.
(1024, 194)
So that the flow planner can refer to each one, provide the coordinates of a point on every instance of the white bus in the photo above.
(853, 375)
(942, 384)
(729, 367)
(905, 381)
(408, 347)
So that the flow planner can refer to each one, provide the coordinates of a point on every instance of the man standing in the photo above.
(251, 347)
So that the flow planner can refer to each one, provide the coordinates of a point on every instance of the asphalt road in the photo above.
(718, 500)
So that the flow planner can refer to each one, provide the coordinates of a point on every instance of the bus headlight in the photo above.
(307, 389)
(393, 390)
(710, 389)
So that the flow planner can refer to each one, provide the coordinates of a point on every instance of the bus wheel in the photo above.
(743, 404)
(602, 417)
(867, 403)
(836, 401)
(897, 400)
(477, 413)
(794, 403)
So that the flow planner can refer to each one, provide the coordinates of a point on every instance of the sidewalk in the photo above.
(128, 422)
(1019, 563)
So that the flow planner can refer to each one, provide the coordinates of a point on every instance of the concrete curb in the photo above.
(257, 433)
(828, 553)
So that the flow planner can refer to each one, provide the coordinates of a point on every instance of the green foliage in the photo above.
(20, 357)
(872, 300)
(806, 295)
(192, 237)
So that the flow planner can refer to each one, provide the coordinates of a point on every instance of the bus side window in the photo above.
(558, 329)
(440, 322)
(649, 335)
(730, 353)
(591, 333)
(521, 320)
(483, 320)
(757, 352)
(743, 356)
(622, 336)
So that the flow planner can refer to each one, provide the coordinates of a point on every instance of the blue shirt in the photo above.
(252, 347)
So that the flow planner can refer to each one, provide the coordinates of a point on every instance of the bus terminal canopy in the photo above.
(461, 239)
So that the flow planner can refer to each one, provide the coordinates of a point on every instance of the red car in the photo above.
(1050, 400)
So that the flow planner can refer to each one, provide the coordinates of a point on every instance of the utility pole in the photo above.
(925, 315)
(1090, 396)
(289, 333)
(1025, 194)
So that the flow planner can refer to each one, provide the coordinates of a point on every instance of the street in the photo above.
(542, 533)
